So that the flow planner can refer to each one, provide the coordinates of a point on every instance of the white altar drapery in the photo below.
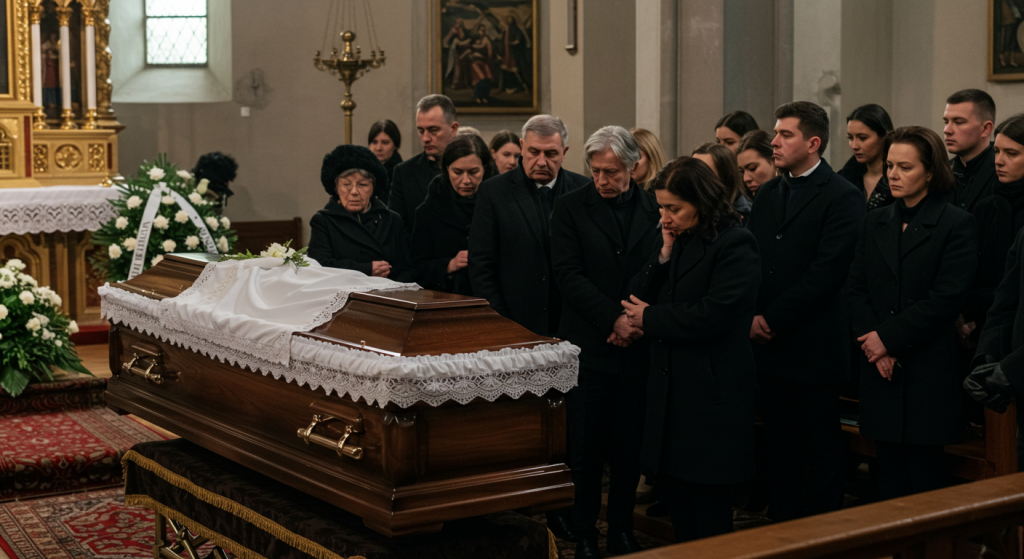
(55, 208)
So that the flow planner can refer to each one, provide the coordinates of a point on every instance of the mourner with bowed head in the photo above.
(806, 223)
(968, 120)
(355, 230)
(384, 141)
(440, 238)
(601, 236)
(436, 125)
(754, 156)
(866, 128)
(694, 301)
(220, 170)
(652, 157)
(505, 149)
(730, 128)
(914, 264)
(999, 217)
(723, 164)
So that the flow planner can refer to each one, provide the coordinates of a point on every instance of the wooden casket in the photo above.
(405, 469)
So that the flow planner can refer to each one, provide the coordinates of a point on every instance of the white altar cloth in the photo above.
(48, 209)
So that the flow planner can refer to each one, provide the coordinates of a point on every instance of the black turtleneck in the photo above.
(964, 172)
(795, 186)
(622, 209)
(907, 214)
(1013, 193)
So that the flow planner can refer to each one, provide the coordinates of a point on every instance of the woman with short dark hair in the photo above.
(440, 235)
(723, 163)
(505, 149)
(730, 128)
(913, 266)
(754, 156)
(355, 230)
(695, 301)
(384, 141)
(866, 128)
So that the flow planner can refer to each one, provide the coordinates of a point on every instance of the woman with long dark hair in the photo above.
(724, 165)
(695, 302)
(440, 234)
(506, 149)
(913, 266)
(730, 128)
(866, 128)
(384, 141)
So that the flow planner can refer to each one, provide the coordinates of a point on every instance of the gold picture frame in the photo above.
(486, 55)
(1005, 40)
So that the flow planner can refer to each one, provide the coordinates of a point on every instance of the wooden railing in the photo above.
(982, 519)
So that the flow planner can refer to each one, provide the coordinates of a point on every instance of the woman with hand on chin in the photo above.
(913, 266)
(695, 301)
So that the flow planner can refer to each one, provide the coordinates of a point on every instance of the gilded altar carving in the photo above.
(68, 157)
(40, 158)
(97, 157)
(64, 16)
(23, 49)
(104, 88)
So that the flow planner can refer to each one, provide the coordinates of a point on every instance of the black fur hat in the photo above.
(219, 169)
(345, 157)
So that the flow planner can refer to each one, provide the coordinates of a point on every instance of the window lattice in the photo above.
(176, 32)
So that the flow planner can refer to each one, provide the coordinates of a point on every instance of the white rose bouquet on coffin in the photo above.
(173, 230)
(34, 334)
(275, 250)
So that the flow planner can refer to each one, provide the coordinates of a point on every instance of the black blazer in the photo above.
(509, 248)
(1002, 339)
(593, 266)
(340, 239)
(975, 181)
(909, 286)
(409, 187)
(805, 258)
(384, 191)
(998, 224)
(441, 231)
(700, 392)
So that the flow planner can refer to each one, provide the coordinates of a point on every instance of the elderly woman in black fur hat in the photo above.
(354, 230)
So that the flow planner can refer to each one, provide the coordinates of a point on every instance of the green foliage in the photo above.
(116, 262)
(290, 255)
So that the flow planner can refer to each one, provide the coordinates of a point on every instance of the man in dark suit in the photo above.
(806, 222)
(436, 125)
(968, 121)
(601, 236)
(510, 237)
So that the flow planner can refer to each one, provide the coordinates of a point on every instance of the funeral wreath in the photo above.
(161, 210)
(34, 333)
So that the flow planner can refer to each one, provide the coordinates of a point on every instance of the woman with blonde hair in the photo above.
(652, 157)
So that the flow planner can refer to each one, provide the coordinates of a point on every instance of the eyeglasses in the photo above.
(345, 186)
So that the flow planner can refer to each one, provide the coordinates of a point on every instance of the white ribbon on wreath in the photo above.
(146, 227)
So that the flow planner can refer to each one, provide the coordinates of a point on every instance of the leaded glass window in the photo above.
(176, 33)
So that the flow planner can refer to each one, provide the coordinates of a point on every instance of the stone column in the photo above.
(90, 65)
(67, 115)
(36, 15)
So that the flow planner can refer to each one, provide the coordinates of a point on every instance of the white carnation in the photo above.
(55, 300)
(156, 173)
(222, 244)
(225, 222)
(48, 335)
(275, 250)
(27, 298)
(181, 216)
(33, 325)
(73, 327)
(161, 222)
(15, 264)
(27, 280)
(185, 175)
(133, 202)
(212, 223)
(130, 243)
(167, 200)
(58, 343)
(42, 319)
(192, 241)
(115, 251)
(170, 245)
(121, 222)
(156, 260)
(3, 312)
(202, 186)
(6, 283)
(195, 198)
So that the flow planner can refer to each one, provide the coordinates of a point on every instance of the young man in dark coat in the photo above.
(354, 230)
(601, 235)
(436, 125)
(510, 237)
(968, 121)
(806, 223)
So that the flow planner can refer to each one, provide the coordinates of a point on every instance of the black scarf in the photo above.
(1013, 192)
(371, 219)
(448, 205)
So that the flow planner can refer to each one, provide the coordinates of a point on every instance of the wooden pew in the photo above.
(950, 523)
(255, 236)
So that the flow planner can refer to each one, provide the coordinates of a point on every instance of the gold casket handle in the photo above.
(135, 367)
(339, 446)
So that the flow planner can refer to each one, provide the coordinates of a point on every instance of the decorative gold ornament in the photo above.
(64, 15)
(67, 157)
(97, 157)
(90, 120)
(36, 11)
(23, 50)
(349, 68)
(104, 88)
(67, 120)
(39, 119)
(40, 157)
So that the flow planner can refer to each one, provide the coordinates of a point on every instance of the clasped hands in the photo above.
(629, 326)
(876, 353)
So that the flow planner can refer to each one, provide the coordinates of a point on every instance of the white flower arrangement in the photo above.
(171, 223)
(34, 333)
(275, 250)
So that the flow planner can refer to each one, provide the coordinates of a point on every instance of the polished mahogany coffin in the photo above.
(404, 470)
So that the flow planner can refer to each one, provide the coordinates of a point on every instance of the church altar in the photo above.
(57, 208)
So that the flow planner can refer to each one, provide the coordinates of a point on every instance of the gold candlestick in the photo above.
(348, 68)
(67, 121)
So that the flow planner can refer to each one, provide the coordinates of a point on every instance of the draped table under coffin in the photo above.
(421, 406)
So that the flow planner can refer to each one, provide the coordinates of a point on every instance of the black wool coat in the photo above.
(593, 265)
(339, 239)
(909, 287)
(854, 172)
(409, 187)
(384, 191)
(805, 258)
(974, 181)
(441, 231)
(998, 224)
(1002, 339)
(700, 392)
(510, 248)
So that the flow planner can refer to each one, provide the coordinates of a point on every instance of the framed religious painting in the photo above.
(1005, 40)
(485, 56)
